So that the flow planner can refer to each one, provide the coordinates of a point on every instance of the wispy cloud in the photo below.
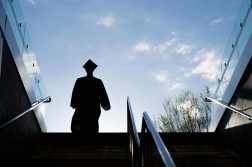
(32, 2)
(173, 33)
(177, 86)
(150, 47)
(106, 21)
(216, 21)
(208, 65)
(183, 49)
(160, 77)
(172, 46)
(143, 47)
(164, 46)
(163, 77)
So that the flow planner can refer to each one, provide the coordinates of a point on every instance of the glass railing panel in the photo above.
(232, 53)
(33, 71)
(246, 31)
(20, 21)
(13, 22)
(228, 74)
(20, 31)
(234, 47)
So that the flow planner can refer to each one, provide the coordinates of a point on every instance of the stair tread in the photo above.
(111, 149)
(103, 146)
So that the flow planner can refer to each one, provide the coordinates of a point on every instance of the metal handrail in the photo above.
(134, 141)
(223, 104)
(33, 106)
(148, 127)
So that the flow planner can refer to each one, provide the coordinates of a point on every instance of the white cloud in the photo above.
(107, 21)
(208, 65)
(143, 46)
(162, 47)
(32, 2)
(198, 55)
(173, 33)
(146, 47)
(216, 21)
(170, 85)
(177, 86)
(161, 77)
(183, 49)
(171, 46)
(187, 74)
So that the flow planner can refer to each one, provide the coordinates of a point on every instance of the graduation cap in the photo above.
(89, 65)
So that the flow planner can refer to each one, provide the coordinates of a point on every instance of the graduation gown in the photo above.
(88, 96)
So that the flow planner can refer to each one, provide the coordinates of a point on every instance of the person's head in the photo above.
(89, 66)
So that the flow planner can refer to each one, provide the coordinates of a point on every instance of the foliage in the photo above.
(186, 113)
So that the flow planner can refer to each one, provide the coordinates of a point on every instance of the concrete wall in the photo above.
(242, 100)
(238, 127)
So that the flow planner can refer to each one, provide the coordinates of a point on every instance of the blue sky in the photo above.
(147, 50)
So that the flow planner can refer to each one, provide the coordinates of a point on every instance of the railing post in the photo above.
(143, 145)
(141, 154)
(134, 142)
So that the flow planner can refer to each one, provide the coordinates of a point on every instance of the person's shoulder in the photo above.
(80, 79)
(97, 79)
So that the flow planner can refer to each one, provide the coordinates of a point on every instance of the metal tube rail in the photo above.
(33, 106)
(147, 126)
(209, 99)
(134, 141)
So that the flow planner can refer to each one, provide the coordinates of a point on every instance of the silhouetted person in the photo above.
(88, 96)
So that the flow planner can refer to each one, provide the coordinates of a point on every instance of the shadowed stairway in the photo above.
(65, 149)
(148, 148)
(111, 149)
(201, 150)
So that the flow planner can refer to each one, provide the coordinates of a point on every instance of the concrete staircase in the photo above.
(111, 149)
(65, 149)
(201, 150)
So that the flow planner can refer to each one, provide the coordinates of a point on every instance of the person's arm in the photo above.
(75, 95)
(104, 97)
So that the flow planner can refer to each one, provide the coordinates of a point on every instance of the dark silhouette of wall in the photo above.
(242, 99)
(237, 127)
(1, 49)
(14, 100)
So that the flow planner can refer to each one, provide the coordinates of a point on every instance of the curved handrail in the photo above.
(147, 126)
(33, 106)
(209, 99)
(134, 141)
(132, 122)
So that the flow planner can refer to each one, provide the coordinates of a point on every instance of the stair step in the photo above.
(111, 149)
(66, 149)
(71, 146)
(200, 149)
